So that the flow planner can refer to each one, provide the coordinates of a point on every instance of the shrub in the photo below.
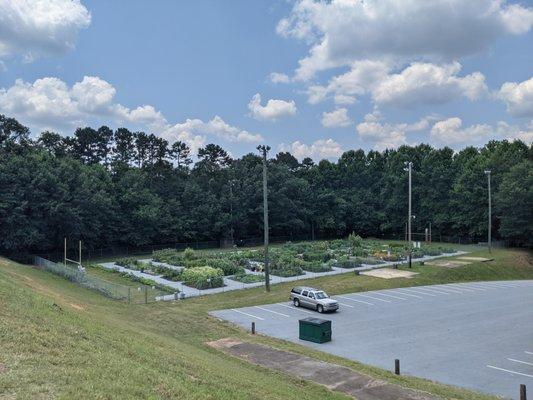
(248, 278)
(315, 266)
(355, 240)
(148, 282)
(189, 254)
(169, 256)
(203, 277)
(127, 262)
(199, 262)
(172, 275)
(287, 271)
(345, 262)
(317, 256)
(227, 266)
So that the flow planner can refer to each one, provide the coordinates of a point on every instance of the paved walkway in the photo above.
(334, 377)
(230, 284)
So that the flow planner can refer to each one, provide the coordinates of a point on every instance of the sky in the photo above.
(315, 78)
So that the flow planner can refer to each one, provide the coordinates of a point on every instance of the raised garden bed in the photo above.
(248, 278)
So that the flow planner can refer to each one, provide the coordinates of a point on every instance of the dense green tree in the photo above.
(514, 203)
(133, 189)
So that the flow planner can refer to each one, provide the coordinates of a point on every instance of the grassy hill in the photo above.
(61, 341)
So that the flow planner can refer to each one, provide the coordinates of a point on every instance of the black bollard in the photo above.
(523, 395)
(253, 328)
(397, 367)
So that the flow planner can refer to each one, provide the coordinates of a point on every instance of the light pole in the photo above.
(487, 172)
(264, 150)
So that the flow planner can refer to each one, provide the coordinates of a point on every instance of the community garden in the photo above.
(174, 271)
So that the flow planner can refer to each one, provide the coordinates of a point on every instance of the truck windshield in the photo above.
(321, 295)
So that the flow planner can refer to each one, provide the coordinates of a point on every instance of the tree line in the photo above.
(121, 188)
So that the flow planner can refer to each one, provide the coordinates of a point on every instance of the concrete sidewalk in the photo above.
(334, 377)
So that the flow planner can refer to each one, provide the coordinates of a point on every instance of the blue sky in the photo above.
(370, 75)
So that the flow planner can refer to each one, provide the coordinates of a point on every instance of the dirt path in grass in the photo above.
(334, 377)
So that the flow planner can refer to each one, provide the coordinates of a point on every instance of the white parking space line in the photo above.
(528, 352)
(420, 292)
(410, 295)
(460, 287)
(295, 309)
(389, 295)
(370, 297)
(449, 289)
(273, 312)
(249, 315)
(474, 287)
(500, 285)
(357, 301)
(509, 371)
(520, 361)
(431, 290)
(346, 305)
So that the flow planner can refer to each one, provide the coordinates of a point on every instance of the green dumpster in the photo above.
(315, 330)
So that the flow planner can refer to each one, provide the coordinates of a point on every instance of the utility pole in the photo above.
(489, 230)
(264, 150)
(231, 182)
(410, 166)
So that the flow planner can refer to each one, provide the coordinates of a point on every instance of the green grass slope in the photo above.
(58, 340)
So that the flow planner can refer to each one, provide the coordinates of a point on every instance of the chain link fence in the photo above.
(141, 294)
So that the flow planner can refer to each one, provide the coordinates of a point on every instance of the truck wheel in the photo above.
(320, 309)
(296, 303)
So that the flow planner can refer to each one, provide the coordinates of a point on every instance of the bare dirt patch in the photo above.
(334, 377)
(449, 263)
(389, 273)
(478, 259)
(77, 307)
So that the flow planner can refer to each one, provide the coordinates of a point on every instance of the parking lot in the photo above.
(475, 335)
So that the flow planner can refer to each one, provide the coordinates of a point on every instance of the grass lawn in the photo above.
(62, 341)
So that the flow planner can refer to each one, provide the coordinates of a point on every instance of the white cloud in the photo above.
(319, 149)
(387, 136)
(418, 83)
(35, 28)
(49, 103)
(423, 83)
(341, 32)
(362, 77)
(336, 119)
(518, 97)
(273, 110)
(451, 132)
(277, 77)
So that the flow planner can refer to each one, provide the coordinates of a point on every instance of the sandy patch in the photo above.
(389, 273)
(77, 307)
(480, 259)
(448, 263)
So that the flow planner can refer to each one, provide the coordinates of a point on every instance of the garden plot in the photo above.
(194, 273)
